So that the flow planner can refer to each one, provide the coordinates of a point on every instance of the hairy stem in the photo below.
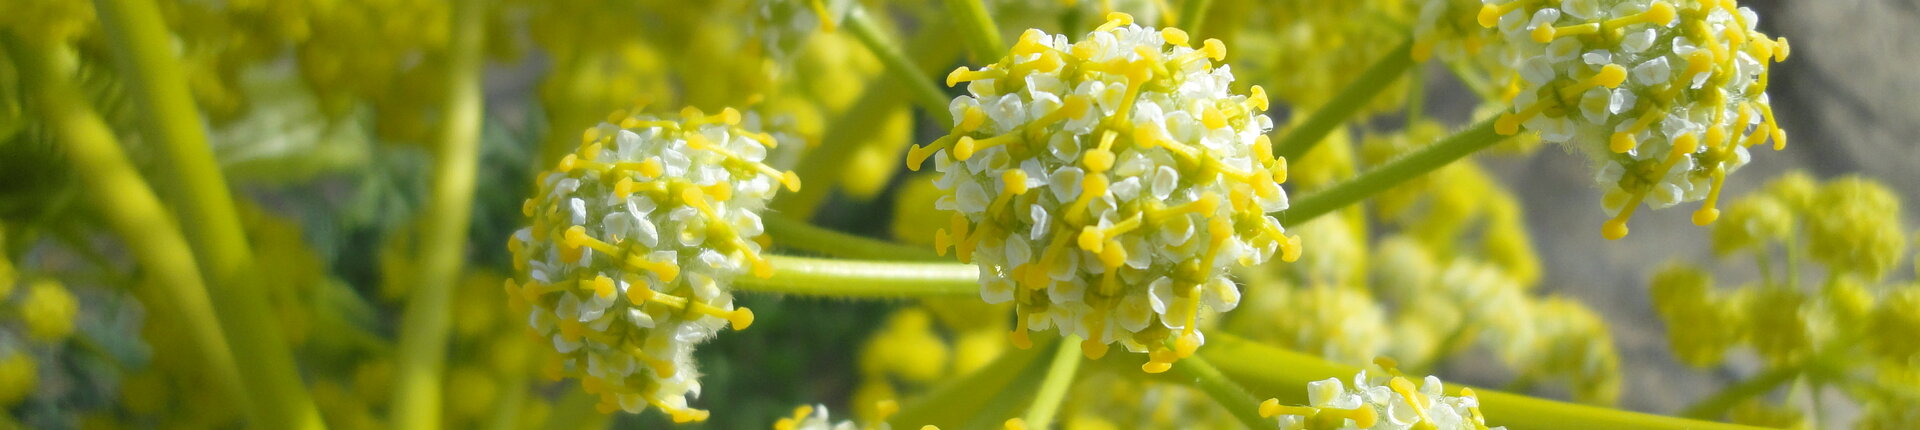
(169, 118)
(129, 207)
(1053, 390)
(863, 279)
(427, 320)
(925, 92)
(1343, 106)
(1392, 173)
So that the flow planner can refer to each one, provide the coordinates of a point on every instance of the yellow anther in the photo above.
(1214, 49)
(1016, 181)
(1212, 119)
(1097, 160)
(1621, 142)
(1015, 424)
(1616, 228)
(567, 163)
(1659, 13)
(1186, 343)
(1290, 250)
(740, 318)
(1546, 33)
(963, 74)
(667, 271)
(1019, 335)
(623, 188)
(1781, 49)
(1174, 36)
(1032, 41)
(1489, 16)
(1610, 76)
(967, 146)
(1114, 20)
(603, 287)
(1257, 98)
(1093, 349)
(1414, 398)
(638, 293)
(970, 119)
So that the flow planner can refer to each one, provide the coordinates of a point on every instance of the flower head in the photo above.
(1105, 186)
(1665, 96)
(634, 239)
(1381, 399)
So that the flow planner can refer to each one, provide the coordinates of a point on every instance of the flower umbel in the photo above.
(635, 237)
(1384, 400)
(1665, 96)
(1104, 186)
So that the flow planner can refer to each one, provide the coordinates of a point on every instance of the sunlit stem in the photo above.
(170, 120)
(793, 234)
(1270, 371)
(1053, 390)
(428, 318)
(1200, 373)
(128, 206)
(1342, 107)
(983, 36)
(1408, 166)
(863, 279)
(925, 92)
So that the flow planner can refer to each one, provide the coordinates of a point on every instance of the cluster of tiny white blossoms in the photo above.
(1105, 186)
(815, 418)
(1381, 400)
(634, 239)
(1665, 95)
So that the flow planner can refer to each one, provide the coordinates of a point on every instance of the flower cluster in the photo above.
(1105, 186)
(1850, 321)
(634, 239)
(1384, 400)
(1665, 96)
(815, 418)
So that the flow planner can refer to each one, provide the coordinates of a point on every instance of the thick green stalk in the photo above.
(983, 36)
(128, 206)
(1274, 372)
(1053, 389)
(1384, 176)
(1243, 406)
(863, 279)
(1350, 99)
(1193, 15)
(428, 317)
(793, 234)
(169, 118)
(925, 92)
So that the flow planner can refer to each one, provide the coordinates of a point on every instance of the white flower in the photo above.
(622, 306)
(1375, 402)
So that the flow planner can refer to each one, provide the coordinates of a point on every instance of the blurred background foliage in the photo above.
(322, 114)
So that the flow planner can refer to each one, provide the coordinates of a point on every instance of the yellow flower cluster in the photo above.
(633, 241)
(1086, 177)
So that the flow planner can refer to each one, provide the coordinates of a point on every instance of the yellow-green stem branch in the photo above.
(129, 207)
(1719, 403)
(925, 93)
(863, 279)
(1349, 101)
(793, 234)
(169, 118)
(1275, 372)
(1053, 390)
(983, 36)
(1243, 406)
(1193, 16)
(426, 322)
(1380, 178)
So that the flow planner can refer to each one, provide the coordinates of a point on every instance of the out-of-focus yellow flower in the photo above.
(19, 376)
(48, 310)
(1854, 226)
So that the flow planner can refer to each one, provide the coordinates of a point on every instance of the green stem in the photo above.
(1720, 402)
(864, 279)
(168, 116)
(427, 320)
(1053, 390)
(983, 36)
(1269, 371)
(925, 92)
(1350, 99)
(1242, 405)
(128, 206)
(1193, 15)
(1416, 95)
(1392, 173)
(982, 399)
(793, 234)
